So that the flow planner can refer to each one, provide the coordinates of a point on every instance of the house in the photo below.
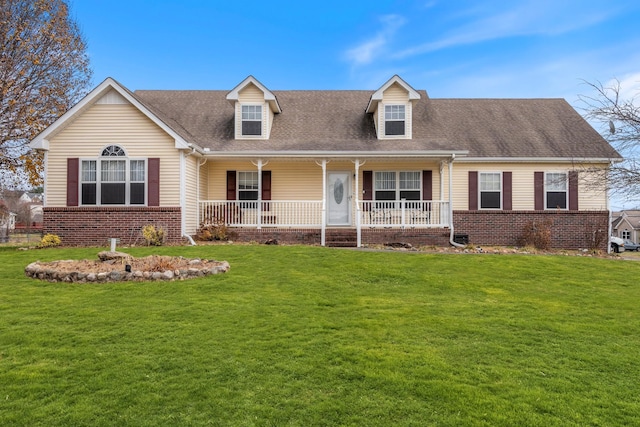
(626, 225)
(329, 167)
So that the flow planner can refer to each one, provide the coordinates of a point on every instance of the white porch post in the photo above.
(357, 198)
(323, 238)
(441, 196)
(259, 215)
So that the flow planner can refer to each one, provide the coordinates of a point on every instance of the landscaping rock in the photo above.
(147, 268)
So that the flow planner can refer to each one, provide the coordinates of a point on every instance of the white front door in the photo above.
(339, 198)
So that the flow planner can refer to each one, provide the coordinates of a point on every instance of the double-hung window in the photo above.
(394, 120)
(252, 120)
(555, 188)
(248, 187)
(490, 190)
(397, 185)
(113, 179)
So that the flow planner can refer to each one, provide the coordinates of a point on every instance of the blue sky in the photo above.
(486, 48)
(452, 49)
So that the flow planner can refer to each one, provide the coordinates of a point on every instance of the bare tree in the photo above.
(44, 71)
(618, 118)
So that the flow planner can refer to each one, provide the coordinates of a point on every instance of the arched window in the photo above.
(113, 179)
(113, 150)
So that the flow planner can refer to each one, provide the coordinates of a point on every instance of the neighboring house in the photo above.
(326, 167)
(626, 225)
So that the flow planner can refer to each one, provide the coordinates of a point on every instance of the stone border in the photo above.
(47, 271)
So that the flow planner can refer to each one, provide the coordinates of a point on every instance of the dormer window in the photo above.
(392, 109)
(251, 120)
(255, 107)
(394, 116)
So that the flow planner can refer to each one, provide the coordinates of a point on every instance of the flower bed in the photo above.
(119, 267)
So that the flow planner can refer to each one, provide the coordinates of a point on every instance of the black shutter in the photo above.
(153, 174)
(72, 181)
(507, 190)
(231, 185)
(473, 190)
(427, 185)
(573, 190)
(538, 188)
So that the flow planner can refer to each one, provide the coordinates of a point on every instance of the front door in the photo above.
(339, 198)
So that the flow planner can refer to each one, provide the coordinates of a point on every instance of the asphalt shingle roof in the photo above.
(336, 121)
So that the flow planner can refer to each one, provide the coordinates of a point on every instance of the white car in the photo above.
(617, 244)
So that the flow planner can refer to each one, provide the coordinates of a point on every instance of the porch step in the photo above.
(341, 238)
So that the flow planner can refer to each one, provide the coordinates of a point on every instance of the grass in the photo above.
(309, 336)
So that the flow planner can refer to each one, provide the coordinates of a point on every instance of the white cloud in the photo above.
(495, 20)
(629, 85)
(369, 50)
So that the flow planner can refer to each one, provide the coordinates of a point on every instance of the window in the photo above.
(394, 116)
(252, 120)
(248, 187)
(112, 179)
(490, 190)
(397, 185)
(555, 188)
(626, 234)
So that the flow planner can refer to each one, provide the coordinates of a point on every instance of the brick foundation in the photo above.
(90, 226)
(417, 237)
(569, 229)
(93, 226)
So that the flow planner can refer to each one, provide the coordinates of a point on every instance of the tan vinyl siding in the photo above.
(303, 180)
(593, 193)
(589, 197)
(203, 191)
(191, 200)
(251, 94)
(395, 95)
(103, 125)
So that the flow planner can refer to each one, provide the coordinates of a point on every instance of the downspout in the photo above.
(457, 245)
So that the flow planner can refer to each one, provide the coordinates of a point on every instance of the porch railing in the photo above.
(280, 213)
(404, 214)
(308, 213)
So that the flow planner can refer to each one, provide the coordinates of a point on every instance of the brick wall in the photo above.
(569, 229)
(284, 235)
(417, 237)
(93, 226)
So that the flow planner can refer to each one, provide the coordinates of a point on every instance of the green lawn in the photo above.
(310, 336)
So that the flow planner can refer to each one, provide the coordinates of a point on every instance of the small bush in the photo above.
(49, 241)
(536, 234)
(152, 235)
(217, 231)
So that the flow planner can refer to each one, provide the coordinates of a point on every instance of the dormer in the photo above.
(255, 106)
(392, 109)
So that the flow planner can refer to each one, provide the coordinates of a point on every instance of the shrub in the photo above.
(536, 234)
(152, 235)
(49, 241)
(216, 231)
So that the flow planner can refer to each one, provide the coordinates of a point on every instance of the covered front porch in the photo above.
(358, 200)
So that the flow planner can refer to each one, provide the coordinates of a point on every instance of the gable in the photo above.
(108, 92)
